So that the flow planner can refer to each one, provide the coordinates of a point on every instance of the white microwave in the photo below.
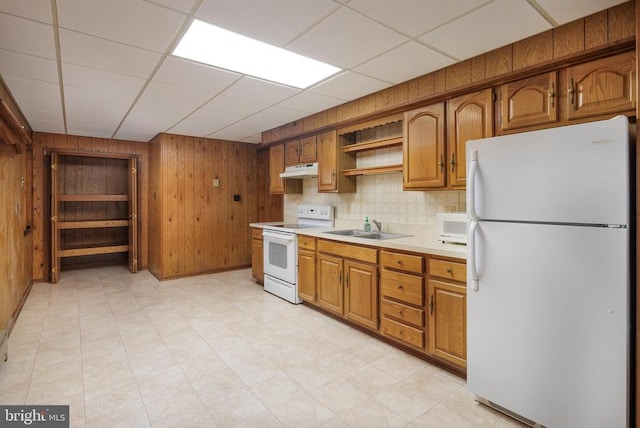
(451, 227)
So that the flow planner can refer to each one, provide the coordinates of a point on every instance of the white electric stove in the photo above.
(281, 250)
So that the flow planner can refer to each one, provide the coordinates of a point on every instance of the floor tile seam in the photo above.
(462, 414)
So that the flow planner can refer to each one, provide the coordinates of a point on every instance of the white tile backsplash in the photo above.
(379, 197)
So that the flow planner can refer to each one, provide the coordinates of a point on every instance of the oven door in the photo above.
(280, 255)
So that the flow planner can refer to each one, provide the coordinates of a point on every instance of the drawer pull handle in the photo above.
(400, 312)
(399, 262)
(450, 271)
(400, 287)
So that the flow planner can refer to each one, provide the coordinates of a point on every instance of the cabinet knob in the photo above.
(450, 271)
(400, 287)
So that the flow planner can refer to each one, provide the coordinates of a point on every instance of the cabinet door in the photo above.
(361, 293)
(469, 117)
(530, 102)
(307, 275)
(330, 295)
(601, 87)
(307, 149)
(448, 321)
(327, 162)
(424, 148)
(291, 153)
(257, 260)
(276, 167)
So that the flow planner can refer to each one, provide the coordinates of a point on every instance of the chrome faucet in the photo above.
(378, 225)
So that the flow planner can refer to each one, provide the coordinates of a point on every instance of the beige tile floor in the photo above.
(215, 350)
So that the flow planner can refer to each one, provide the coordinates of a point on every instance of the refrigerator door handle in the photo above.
(471, 256)
(473, 168)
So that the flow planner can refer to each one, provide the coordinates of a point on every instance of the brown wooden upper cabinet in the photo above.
(278, 185)
(300, 151)
(530, 102)
(601, 87)
(424, 148)
(469, 117)
(332, 160)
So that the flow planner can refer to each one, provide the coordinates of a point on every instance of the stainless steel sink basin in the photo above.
(357, 233)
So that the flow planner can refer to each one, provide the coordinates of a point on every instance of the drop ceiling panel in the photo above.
(33, 9)
(346, 39)
(349, 86)
(39, 101)
(278, 115)
(148, 118)
(238, 131)
(176, 95)
(180, 72)
(269, 93)
(28, 66)
(90, 78)
(203, 122)
(414, 17)
(139, 23)
(254, 139)
(80, 49)
(569, 10)
(25, 36)
(234, 105)
(275, 21)
(179, 5)
(487, 28)
(84, 112)
(404, 63)
(310, 102)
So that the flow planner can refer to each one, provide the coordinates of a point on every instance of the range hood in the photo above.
(301, 171)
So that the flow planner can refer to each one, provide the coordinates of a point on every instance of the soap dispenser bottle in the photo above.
(367, 225)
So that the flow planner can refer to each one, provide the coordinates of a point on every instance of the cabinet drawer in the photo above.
(349, 251)
(405, 333)
(403, 312)
(306, 242)
(256, 233)
(455, 271)
(406, 262)
(407, 288)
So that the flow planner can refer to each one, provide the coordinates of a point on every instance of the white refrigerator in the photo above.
(548, 315)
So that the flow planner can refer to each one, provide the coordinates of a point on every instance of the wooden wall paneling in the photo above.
(478, 69)
(637, 233)
(621, 22)
(458, 75)
(171, 228)
(569, 39)
(426, 85)
(533, 50)
(155, 198)
(595, 30)
(221, 204)
(189, 207)
(499, 61)
(209, 172)
(198, 191)
(439, 80)
(385, 98)
(400, 94)
(40, 264)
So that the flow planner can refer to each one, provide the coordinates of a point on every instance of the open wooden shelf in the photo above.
(92, 224)
(93, 198)
(90, 251)
(373, 170)
(372, 145)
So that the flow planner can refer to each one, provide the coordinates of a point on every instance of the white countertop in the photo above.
(422, 241)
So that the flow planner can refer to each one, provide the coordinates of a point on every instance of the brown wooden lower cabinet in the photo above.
(415, 300)
(257, 259)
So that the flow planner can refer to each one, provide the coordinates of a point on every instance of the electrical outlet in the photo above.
(450, 208)
(216, 182)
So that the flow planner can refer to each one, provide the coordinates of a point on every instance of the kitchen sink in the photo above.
(358, 233)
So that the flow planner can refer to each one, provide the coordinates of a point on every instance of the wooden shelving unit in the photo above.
(373, 135)
(93, 207)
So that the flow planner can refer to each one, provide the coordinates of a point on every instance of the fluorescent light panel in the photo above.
(222, 48)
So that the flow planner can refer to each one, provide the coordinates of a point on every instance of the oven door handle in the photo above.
(280, 237)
